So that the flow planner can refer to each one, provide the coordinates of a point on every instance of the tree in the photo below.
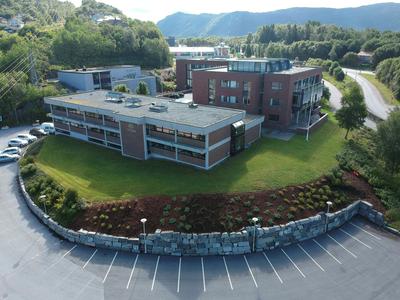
(142, 89)
(350, 59)
(122, 88)
(332, 67)
(339, 74)
(388, 142)
(353, 112)
(248, 51)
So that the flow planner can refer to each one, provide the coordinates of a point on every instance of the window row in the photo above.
(192, 154)
(229, 84)
(161, 146)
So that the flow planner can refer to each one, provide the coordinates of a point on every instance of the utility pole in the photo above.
(32, 72)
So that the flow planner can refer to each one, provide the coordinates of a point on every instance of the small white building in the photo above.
(106, 78)
(16, 23)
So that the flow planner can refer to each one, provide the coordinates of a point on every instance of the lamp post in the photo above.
(43, 198)
(254, 220)
(329, 204)
(144, 220)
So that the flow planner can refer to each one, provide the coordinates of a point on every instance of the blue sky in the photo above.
(155, 10)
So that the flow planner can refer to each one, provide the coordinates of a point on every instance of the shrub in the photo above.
(268, 204)
(172, 221)
(274, 196)
(267, 212)
(277, 216)
(280, 208)
(286, 200)
(165, 213)
(182, 218)
(293, 210)
(28, 170)
(26, 160)
(256, 209)
(186, 210)
(290, 216)
(270, 222)
(109, 226)
(239, 220)
(162, 221)
(188, 227)
(247, 204)
(167, 207)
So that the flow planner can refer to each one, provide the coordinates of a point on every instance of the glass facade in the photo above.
(229, 99)
(229, 84)
(246, 92)
(211, 91)
(259, 66)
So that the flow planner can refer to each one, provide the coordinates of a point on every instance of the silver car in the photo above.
(8, 157)
(17, 143)
(11, 150)
(28, 137)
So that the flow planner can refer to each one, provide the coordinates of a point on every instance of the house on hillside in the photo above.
(16, 23)
(364, 57)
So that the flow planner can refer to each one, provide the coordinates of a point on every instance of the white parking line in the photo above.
(179, 274)
(90, 258)
(251, 273)
(133, 270)
(227, 272)
(204, 277)
(294, 264)
(355, 238)
(273, 268)
(367, 232)
(310, 257)
(60, 259)
(330, 254)
(109, 268)
(343, 247)
(155, 273)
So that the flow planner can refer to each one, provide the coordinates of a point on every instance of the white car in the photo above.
(8, 157)
(11, 150)
(48, 127)
(17, 143)
(28, 137)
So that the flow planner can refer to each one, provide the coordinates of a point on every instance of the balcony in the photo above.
(61, 125)
(111, 124)
(75, 116)
(92, 120)
(191, 160)
(113, 139)
(161, 136)
(162, 152)
(95, 134)
(191, 142)
(78, 130)
(61, 113)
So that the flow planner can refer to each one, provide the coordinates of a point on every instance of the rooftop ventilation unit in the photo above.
(158, 107)
(115, 97)
(133, 102)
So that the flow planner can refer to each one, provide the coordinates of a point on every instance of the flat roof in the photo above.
(180, 113)
(190, 49)
(97, 69)
(293, 70)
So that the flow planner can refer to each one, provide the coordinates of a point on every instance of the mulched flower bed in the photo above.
(223, 212)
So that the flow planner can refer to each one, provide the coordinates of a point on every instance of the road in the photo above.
(357, 261)
(335, 104)
(376, 105)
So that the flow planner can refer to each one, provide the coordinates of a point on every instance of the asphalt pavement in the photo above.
(357, 261)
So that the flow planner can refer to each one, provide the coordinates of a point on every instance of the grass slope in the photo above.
(340, 85)
(101, 174)
(383, 89)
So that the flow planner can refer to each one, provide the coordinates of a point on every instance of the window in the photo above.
(229, 84)
(161, 146)
(246, 92)
(96, 80)
(97, 130)
(109, 119)
(56, 107)
(93, 115)
(105, 80)
(274, 102)
(277, 86)
(90, 139)
(114, 146)
(150, 128)
(192, 136)
(192, 154)
(76, 125)
(211, 91)
(273, 117)
(113, 134)
(229, 99)
(75, 111)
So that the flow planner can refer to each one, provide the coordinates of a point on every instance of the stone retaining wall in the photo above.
(176, 243)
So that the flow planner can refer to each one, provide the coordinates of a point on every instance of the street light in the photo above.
(254, 220)
(144, 220)
(43, 198)
(329, 203)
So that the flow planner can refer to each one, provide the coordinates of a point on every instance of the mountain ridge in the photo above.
(382, 16)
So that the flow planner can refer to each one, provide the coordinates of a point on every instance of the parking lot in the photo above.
(357, 261)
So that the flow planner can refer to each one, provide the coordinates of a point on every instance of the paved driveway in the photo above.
(358, 261)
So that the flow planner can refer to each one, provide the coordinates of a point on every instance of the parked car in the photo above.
(11, 150)
(48, 127)
(8, 157)
(17, 143)
(38, 132)
(28, 137)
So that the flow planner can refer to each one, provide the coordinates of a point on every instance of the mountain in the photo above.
(383, 16)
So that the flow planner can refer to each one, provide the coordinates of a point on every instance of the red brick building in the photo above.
(284, 94)
(184, 69)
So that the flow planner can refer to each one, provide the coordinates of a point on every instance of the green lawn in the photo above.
(340, 85)
(101, 174)
(383, 89)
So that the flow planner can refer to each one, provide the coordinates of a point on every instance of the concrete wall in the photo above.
(252, 134)
(218, 135)
(176, 243)
(132, 84)
(219, 153)
(79, 81)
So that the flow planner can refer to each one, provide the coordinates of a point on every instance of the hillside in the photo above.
(383, 16)
(43, 11)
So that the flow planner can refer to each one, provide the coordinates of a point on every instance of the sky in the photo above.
(155, 10)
